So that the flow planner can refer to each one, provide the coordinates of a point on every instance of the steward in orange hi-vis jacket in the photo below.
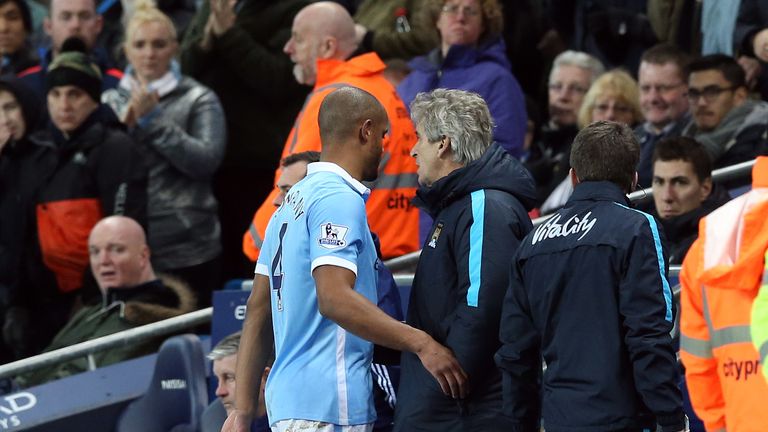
(389, 209)
(720, 278)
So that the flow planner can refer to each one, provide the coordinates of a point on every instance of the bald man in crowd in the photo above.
(321, 48)
(132, 295)
(321, 302)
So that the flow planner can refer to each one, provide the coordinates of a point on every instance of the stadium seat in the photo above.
(176, 396)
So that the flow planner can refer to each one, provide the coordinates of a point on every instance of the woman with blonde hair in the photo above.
(613, 96)
(180, 128)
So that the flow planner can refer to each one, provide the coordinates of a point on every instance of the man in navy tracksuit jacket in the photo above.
(479, 200)
(589, 293)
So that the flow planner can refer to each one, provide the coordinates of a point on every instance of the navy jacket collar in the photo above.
(598, 191)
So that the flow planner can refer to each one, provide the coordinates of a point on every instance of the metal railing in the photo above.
(408, 261)
(192, 319)
(140, 334)
(407, 278)
(121, 339)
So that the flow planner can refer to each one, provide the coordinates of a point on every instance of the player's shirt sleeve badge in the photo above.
(332, 236)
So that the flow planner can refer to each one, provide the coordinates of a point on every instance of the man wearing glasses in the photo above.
(731, 126)
(662, 78)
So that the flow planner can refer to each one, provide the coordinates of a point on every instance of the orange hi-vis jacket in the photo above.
(390, 212)
(720, 279)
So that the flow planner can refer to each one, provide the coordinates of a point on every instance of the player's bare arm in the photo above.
(338, 301)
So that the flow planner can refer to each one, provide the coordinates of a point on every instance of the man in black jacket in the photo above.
(478, 196)
(683, 192)
(589, 294)
(88, 169)
(236, 49)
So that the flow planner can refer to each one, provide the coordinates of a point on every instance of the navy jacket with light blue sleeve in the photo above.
(589, 293)
(480, 216)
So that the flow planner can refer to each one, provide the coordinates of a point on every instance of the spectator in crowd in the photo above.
(720, 278)
(91, 169)
(325, 291)
(132, 295)
(19, 114)
(717, 24)
(180, 128)
(116, 15)
(750, 38)
(569, 80)
(524, 23)
(327, 66)
(460, 305)
(612, 97)
(472, 57)
(394, 29)
(15, 28)
(71, 19)
(663, 82)
(224, 358)
(235, 49)
(601, 331)
(294, 168)
(614, 31)
(731, 127)
(683, 192)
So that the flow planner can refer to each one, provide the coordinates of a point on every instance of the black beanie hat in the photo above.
(73, 67)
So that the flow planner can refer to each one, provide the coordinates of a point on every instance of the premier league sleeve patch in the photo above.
(332, 236)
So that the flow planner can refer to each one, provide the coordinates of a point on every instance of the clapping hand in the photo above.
(221, 19)
(142, 102)
(222, 16)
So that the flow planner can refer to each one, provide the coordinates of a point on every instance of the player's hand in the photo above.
(237, 421)
(441, 363)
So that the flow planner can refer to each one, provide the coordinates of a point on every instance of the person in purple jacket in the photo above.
(472, 57)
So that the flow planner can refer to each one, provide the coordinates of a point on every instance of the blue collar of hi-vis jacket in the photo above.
(598, 191)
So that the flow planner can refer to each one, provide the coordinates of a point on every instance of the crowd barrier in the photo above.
(26, 409)
(408, 261)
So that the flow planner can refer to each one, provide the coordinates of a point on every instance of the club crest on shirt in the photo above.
(332, 236)
(435, 235)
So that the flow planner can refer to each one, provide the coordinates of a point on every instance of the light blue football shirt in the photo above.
(321, 371)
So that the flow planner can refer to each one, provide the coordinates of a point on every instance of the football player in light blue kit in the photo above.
(315, 283)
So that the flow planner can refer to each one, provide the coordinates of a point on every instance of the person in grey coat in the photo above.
(180, 127)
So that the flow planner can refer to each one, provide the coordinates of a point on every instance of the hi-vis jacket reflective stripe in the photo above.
(759, 321)
(720, 278)
(390, 213)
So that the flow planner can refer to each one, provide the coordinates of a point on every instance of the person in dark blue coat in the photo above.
(478, 196)
(472, 57)
(589, 294)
